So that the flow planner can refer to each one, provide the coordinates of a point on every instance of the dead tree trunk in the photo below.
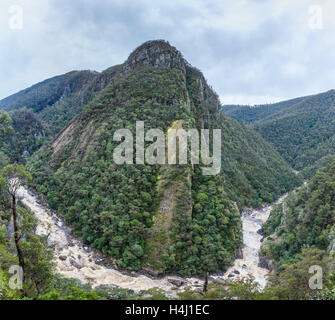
(205, 282)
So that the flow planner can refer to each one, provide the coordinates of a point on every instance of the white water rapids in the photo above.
(75, 260)
(252, 221)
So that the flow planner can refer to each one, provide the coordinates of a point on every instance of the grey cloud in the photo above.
(246, 49)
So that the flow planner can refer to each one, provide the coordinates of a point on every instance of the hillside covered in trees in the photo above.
(169, 218)
(305, 219)
(303, 226)
(302, 130)
(40, 112)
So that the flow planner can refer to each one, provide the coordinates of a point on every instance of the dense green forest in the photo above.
(302, 130)
(305, 220)
(22, 247)
(249, 114)
(117, 209)
(300, 233)
(165, 218)
(40, 112)
(28, 135)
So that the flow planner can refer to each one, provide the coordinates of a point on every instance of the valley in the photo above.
(89, 227)
(75, 260)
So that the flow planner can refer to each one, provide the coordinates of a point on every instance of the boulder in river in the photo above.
(99, 260)
(264, 262)
(239, 253)
(63, 258)
(260, 232)
(176, 282)
(76, 264)
(151, 272)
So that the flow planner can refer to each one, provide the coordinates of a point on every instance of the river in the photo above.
(75, 260)
(252, 221)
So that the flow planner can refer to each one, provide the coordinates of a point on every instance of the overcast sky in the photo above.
(251, 51)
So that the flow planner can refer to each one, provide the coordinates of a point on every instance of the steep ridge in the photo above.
(51, 105)
(301, 130)
(146, 215)
(250, 114)
(304, 221)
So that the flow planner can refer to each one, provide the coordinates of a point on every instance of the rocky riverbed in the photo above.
(249, 263)
(75, 260)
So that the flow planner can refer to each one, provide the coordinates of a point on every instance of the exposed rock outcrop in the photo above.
(157, 53)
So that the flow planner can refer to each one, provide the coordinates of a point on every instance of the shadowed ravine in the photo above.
(75, 260)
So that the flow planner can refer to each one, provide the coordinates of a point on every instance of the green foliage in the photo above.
(306, 219)
(27, 136)
(117, 209)
(5, 292)
(74, 294)
(13, 176)
(43, 94)
(5, 124)
(250, 114)
(119, 217)
(39, 113)
(302, 130)
(38, 265)
(207, 240)
(114, 208)
(153, 294)
(243, 289)
(7, 259)
(253, 171)
(38, 259)
(61, 288)
(292, 282)
(4, 160)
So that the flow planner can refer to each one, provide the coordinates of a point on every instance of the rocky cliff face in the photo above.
(157, 53)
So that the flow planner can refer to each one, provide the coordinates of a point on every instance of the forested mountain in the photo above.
(44, 109)
(167, 218)
(44, 94)
(249, 114)
(301, 130)
(171, 218)
(304, 223)
(28, 135)
(305, 219)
